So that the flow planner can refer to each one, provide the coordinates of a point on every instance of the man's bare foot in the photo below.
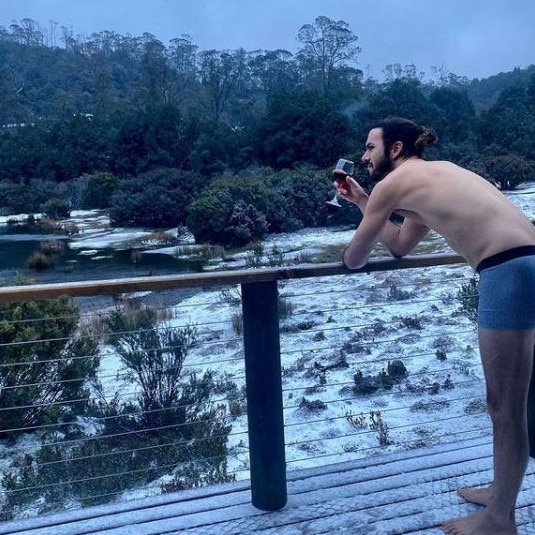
(474, 495)
(479, 524)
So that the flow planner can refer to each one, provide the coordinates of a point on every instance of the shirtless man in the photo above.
(497, 240)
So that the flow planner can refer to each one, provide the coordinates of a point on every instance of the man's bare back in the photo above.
(474, 217)
(440, 195)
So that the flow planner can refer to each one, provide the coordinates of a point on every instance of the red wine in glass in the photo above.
(343, 169)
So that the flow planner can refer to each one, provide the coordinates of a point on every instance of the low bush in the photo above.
(169, 428)
(155, 199)
(41, 261)
(45, 367)
(468, 295)
(56, 208)
(509, 171)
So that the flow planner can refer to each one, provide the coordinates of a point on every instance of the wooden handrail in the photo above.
(261, 345)
(216, 278)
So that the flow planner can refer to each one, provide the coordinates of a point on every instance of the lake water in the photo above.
(78, 263)
(95, 254)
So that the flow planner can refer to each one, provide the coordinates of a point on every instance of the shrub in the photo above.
(365, 384)
(51, 247)
(153, 357)
(412, 322)
(56, 208)
(237, 323)
(97, 190)
(169, 428)
(231, 295)
(397, 370)
(245, 224)
(40, 261)
(239, 202)
(312, 406)
(509, 171)
(358, 421)
(47, 224)
(368, 384)
(174, 410)
(275, 257)
(27, 197)
(286, 200)
(94, 470)
(255, 256)
(380, 427)
(297, 199)
(127, 318)
(46, 257)
(396, 293)
(45, 367)
(468, 296)
(441, 355)
(155, 199)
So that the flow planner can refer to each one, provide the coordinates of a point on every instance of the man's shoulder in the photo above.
(419, 169)
(405, 179)
(391, 185)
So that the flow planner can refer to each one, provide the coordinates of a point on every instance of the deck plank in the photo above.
(397, 494)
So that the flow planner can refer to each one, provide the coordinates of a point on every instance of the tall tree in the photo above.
(509, 124)
(302, 128)
(456, 116)
(394, 71)
(27, 32)
(221, 74)
(11, 86)
(328, 45)
(274, 72)
(403, 97)
(183, 58)
(157, 73)
(531, 93)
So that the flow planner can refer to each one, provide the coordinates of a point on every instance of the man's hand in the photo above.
(352, 191)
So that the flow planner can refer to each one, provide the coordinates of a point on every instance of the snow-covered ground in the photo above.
(336, 327)
(340, 325)
(367, 321)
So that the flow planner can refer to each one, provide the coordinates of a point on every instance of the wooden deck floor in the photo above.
(410, 492)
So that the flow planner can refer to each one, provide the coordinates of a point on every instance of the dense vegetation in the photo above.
(228, 142)
(50, 390)
(232, 144)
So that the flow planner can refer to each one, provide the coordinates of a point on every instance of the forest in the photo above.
(231, 144)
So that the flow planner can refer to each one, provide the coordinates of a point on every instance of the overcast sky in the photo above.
(474, 38)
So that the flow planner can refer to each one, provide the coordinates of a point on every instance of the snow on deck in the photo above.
(409, 492)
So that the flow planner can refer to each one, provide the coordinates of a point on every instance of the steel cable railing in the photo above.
(113, 432)
(449, 373)
(29, 477)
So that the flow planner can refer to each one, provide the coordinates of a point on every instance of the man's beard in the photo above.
(382, 168)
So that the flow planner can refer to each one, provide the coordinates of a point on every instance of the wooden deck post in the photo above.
(264, 395)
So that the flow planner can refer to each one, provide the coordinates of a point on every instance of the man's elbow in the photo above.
(352, 262)
(399, 252)
(397, 256)
(354, 265)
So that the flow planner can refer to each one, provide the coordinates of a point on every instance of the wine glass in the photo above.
(343, 169)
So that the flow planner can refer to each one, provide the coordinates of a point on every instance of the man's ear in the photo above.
(395, 149)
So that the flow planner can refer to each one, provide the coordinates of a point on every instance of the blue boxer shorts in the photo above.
(507, 290)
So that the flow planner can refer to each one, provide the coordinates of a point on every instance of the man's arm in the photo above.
(376, 226)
